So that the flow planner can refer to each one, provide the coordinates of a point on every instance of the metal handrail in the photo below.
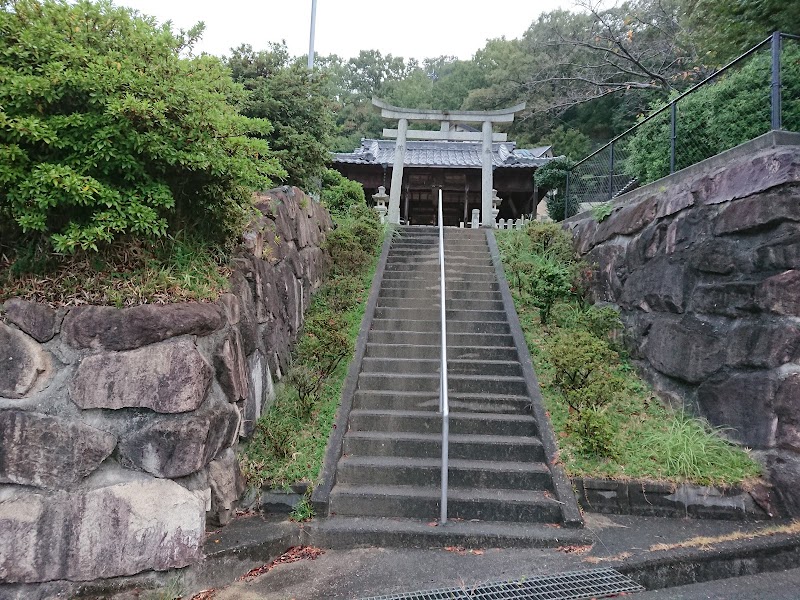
(444, 406)
(681, 96)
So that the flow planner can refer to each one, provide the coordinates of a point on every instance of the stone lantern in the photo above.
(380, 203)
(496, 200)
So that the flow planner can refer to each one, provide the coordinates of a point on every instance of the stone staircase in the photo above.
(387, 483)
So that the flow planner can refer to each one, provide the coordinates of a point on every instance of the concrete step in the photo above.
(480, 474)
(367, 532)
(426, 421)
(432, 252)
(433, 276)
(432, 339)
(432, 266)
(434, 351)
(414, 293)
(464, 286)
(423, 502)
(476, 384)
(462, 402)
(436, 326)
(431, 366)
(434, 314)
(429, 445)
(433, 302)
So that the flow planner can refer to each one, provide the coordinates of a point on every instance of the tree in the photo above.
(640, 46)
(297, 104)
(105, 131)
(727, 28)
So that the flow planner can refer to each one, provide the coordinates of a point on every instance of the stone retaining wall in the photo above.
(118, 426)
(705, 268)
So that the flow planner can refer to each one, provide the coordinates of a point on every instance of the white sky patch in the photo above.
(408, 28)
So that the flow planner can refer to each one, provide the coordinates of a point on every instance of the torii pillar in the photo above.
(446, 133)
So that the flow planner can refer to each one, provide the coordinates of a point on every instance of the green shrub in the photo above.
(106, 131)
(340, 193)
(602, 322)
(584, 369)
(594, 431)
(550, 239)
(553, 176)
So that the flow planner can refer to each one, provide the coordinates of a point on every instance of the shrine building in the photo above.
(466, 164)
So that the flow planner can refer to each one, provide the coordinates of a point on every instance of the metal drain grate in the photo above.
(578, 585)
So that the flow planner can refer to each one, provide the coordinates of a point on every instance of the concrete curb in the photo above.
(684, 566)
(320, 497)
(563, 487)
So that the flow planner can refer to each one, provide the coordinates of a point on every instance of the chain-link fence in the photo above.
(752, 95)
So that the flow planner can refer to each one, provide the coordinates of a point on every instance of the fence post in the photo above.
(776, 80)
(611, 174)
(673, 135)
(566, 194)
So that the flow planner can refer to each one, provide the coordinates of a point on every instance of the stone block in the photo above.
(170, 377)
(689, 349)
(717, 256)
(674, 202)
(130, 328)
(661, 284)
(787, 407)
(176, 446)
(763, 343)
(743, 404)
(49, 452)
(781, 294)
(231, 367)
(784, 471)
(732, 299)
(248, 321)
(35, 319)
(110, 531)
(227, 485)
(258, 391)
(760, 211)
(745, 177)
(24, 365)
(780, 251)
(611, 271)
(627, 220)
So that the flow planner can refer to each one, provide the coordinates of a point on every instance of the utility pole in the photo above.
(311, 40)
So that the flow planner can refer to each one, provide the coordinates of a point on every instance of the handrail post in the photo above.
(776, 80)
(443, 400)
(566, 193)
(611, 174)
(673, 135)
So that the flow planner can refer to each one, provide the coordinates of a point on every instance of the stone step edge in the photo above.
(361, 532)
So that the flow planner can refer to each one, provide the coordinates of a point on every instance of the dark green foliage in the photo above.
(717, 117)
(550, 239)
(542, 265)
(728, 28)
(340, 193)
(553, 177)
(106, 131)
(583, 367)
(568, 142)
(297, 105)
(595, 432)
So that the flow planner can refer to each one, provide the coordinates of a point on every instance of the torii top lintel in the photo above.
(503, 115)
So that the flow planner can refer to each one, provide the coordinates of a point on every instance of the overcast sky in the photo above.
(408, 28)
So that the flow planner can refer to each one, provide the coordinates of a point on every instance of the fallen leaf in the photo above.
(293, 554)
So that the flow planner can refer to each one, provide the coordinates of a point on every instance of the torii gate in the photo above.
(446, 133)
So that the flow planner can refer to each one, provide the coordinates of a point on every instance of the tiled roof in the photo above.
(442, 154)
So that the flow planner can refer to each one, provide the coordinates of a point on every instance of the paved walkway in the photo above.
(360, 573)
